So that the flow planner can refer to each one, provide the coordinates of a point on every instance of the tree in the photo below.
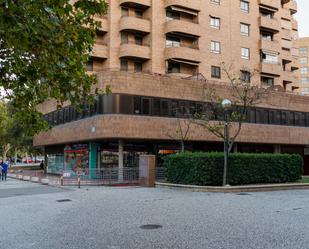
(243, 94)
(6, 122)
(44, 46)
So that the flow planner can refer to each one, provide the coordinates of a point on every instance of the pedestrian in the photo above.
(4, 169)
(42, 165)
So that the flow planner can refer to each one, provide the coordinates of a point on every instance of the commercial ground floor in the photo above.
(89, 156)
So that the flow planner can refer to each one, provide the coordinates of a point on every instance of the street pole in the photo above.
(225, 150)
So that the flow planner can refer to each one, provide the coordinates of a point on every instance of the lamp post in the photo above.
(226, 105)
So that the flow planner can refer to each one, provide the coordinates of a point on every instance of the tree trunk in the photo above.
(15, 154)
(182, 146)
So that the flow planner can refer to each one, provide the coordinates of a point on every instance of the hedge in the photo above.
(203, 169)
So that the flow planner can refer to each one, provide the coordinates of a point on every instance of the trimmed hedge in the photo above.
(203, 169)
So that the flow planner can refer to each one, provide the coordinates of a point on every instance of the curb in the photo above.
(235, 189)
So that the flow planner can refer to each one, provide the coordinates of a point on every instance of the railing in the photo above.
(182, 45)
(135, 43)
(160, 174)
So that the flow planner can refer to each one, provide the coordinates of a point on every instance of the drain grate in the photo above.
(150, 226)
(64, 200)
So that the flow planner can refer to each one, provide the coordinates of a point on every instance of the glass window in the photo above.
(215, 72)
(170, 15)
(215, 1)
(138, 66)
(304, 80)
(215, 22)
(139, 13)
(267, 81)
(138, 40)
(269, 58)
(303, 51)
(156, 107)
(124, 38)
(303, 60)
(173, 67)
(215, 47)
(124, 11)
(137, 105)
(304, 70)
(164, 107)
(172, 42)
(124, 65)
(244, 29)
(245, 76)
(244, 6)
(146, 106)
(245, 53)
(90, 65)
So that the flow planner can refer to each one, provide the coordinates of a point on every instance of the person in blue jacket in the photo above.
(4, 170)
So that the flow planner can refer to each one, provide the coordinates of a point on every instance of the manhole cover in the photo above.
(64, 200)
(150, 226)
(242, 194)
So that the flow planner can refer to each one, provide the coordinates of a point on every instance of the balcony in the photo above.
(270, 45)
(104, 23)
(292, 6)
(270, 24)
(183, 28)
(271, 68)
(286, 56)
(100, 51)
(132, 23)
(294, 24)
(183, 53)
(274, 4)
(140, 4)
(285, 14)
(134, 51)
(187, 4)
(286, 34)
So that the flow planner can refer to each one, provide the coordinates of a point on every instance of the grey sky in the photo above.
(302, 17)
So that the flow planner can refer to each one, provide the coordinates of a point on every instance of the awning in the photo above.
(179, 9)
(192, 63)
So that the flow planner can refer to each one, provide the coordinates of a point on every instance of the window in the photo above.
(173, 67)
(215, 22)
(244, 6)
(215, 47)
(90, 65)
(304, 70)
(172, 42)
(139, 13)
(305, 90)
(124, 65)
(124, 38)
(245, 53)
(267, 36)
(215, 1)
(267, 13)
(303, 51)
(124, 11)
(269, 58)
(146, 106)
(304, 60)
(138, 40)
(304, 80)
(245, 76)
(267, 81)
(244, 29)
(170, 15)
(138, 66)
(215, 72)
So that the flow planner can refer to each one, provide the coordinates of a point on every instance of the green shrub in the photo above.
(201, 168)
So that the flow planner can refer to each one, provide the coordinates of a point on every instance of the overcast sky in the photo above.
(302, 17)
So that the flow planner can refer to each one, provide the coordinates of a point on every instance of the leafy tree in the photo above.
(6, 122)
(44, 46)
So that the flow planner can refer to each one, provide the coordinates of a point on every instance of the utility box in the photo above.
(147, 174)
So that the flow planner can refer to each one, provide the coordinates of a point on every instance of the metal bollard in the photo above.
(78, 181)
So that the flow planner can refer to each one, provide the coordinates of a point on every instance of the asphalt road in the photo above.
(111, 218)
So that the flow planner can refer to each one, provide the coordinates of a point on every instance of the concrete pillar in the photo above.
(147, 170)
(277, 148)
(93, 152)
(120, 160)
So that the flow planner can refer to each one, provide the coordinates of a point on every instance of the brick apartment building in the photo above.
(148, 51)
(303, 44)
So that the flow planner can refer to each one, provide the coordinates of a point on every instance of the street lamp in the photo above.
(226, 105)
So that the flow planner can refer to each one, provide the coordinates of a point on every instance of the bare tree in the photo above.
(243, 94)
(182, 131)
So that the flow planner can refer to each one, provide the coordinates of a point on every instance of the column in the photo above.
(120, 160)
(93, 152)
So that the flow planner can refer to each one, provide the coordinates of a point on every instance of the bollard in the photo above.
(61, 180)
(78, 181)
